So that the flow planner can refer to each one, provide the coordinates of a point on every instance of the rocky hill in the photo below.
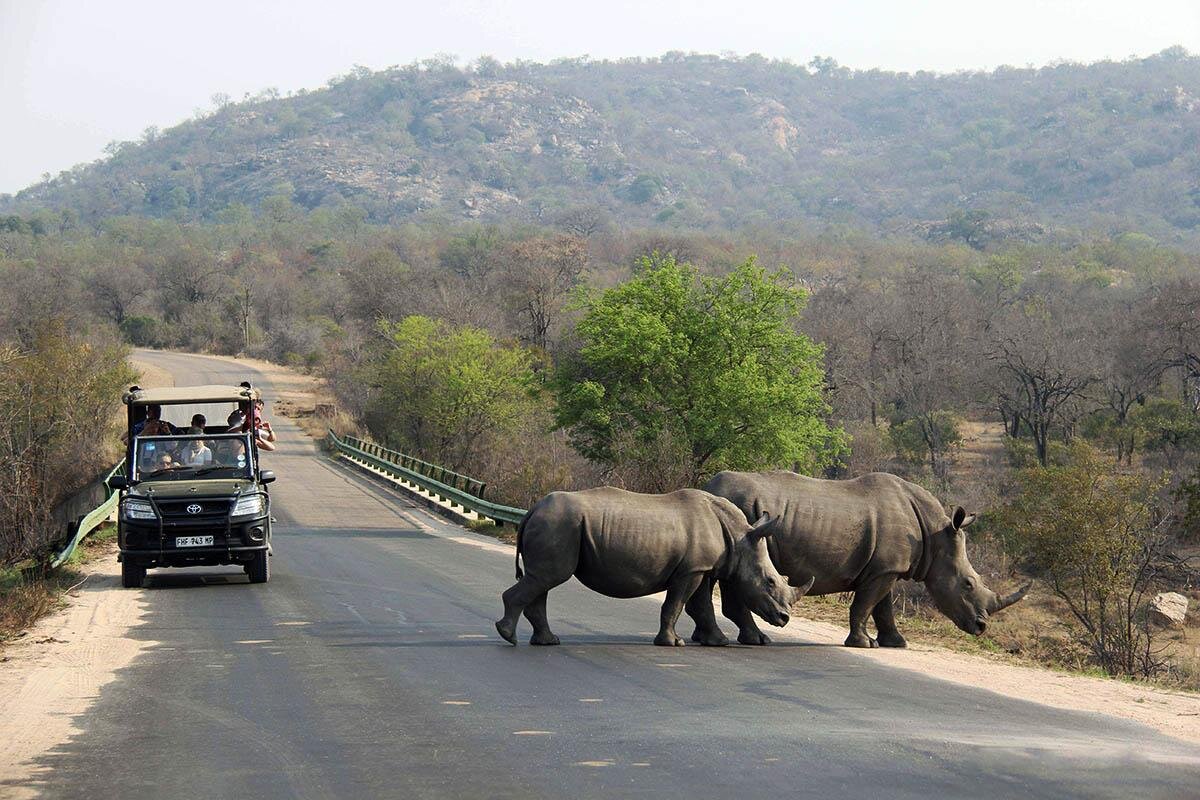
(690, 141)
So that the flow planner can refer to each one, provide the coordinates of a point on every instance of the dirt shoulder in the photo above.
(52, 674)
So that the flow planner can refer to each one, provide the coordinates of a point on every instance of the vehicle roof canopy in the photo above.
(178, 395)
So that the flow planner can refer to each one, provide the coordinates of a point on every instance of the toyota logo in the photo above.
(195, 508)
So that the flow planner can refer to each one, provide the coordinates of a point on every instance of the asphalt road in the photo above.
(369, 667)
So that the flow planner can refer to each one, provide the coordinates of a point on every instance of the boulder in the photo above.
(1169, 609)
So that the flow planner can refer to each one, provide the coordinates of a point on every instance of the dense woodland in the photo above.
(979, 311)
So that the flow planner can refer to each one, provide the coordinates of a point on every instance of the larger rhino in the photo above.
(623, 544)
(861, 536)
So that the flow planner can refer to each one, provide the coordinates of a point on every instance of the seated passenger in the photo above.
(236, 420)
(199, 421)
(156, 427)
(231, 453)
(196, 453)
(153, 417)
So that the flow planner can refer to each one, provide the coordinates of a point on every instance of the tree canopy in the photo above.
(710, 366)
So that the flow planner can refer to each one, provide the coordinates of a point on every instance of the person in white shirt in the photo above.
(196, 453)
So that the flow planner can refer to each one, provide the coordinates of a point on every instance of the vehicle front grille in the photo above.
(194, 511)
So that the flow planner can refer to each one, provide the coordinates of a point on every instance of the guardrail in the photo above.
(454, 489)
(92, 519)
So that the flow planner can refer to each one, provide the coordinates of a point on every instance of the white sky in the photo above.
(75, 75)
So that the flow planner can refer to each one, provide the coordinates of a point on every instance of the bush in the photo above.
(1095, 534)
(58, 403)
(929, 437)
(143, 331)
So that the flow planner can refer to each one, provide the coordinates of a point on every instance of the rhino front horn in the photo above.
(1005, 602)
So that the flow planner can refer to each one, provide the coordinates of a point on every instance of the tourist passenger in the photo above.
(196, 453)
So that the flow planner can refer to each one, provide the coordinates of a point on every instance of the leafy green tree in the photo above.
(448, 394)
(707, 367)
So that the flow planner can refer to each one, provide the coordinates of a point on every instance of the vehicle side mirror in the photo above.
(266, 476)
(118, 482)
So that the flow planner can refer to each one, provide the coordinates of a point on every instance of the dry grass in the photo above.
(25, 598)
(1031, 633)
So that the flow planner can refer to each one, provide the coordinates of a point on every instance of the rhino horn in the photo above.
(1004, 602)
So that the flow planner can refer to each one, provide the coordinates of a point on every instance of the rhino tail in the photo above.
(520, 530)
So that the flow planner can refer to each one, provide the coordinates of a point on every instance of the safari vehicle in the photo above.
(192, 498)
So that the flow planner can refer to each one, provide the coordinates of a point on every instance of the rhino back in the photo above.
(626, 544)
(836, 531)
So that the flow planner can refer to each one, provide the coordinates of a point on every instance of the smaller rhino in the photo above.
(624, 544)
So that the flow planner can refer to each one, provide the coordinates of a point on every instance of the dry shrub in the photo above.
(58, 398)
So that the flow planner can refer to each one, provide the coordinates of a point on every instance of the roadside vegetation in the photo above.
(28, 593)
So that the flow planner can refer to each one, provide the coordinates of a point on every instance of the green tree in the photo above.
(448, 394)
(709, 368)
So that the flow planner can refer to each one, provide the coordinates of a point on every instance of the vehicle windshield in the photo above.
(221, 455)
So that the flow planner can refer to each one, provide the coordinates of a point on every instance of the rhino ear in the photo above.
(961, 518)
(763, 527)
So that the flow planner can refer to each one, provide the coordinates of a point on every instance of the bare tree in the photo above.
(1042, 349)
(537, 276)
(116, 288)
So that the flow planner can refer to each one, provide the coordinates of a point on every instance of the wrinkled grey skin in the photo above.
(623, 544)
(861, 536)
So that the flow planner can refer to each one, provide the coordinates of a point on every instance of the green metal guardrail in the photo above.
(92, 519)
(447, 485)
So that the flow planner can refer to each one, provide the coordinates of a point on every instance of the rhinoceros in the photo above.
(624, 544)
(862, 535)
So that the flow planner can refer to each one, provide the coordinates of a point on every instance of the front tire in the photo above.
(132, 575)
(259, 569)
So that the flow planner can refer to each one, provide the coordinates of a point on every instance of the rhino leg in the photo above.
(518, 598)
(885, 623)
(535, 612)
(700, 609)
(679, 591)
(738, 614)
(866, 597)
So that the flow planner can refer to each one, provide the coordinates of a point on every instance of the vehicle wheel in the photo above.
(132, 575)
(259, 569)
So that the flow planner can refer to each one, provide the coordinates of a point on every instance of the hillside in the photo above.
(689, 141)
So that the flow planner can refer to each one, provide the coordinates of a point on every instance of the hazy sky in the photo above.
(76, 75)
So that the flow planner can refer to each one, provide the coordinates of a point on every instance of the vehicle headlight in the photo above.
(137, 509)
(250, 505)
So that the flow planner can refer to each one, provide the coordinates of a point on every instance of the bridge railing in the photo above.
(442, 483)
(92, 520)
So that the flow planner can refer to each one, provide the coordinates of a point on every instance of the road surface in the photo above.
(369, 667)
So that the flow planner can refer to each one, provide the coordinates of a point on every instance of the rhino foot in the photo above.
(892, 640)
(710, 638)
(756, 638)
(668, 640)
(543, 638)
(507, 632)
(860, 640)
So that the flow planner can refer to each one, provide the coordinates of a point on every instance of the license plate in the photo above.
(193, 541)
